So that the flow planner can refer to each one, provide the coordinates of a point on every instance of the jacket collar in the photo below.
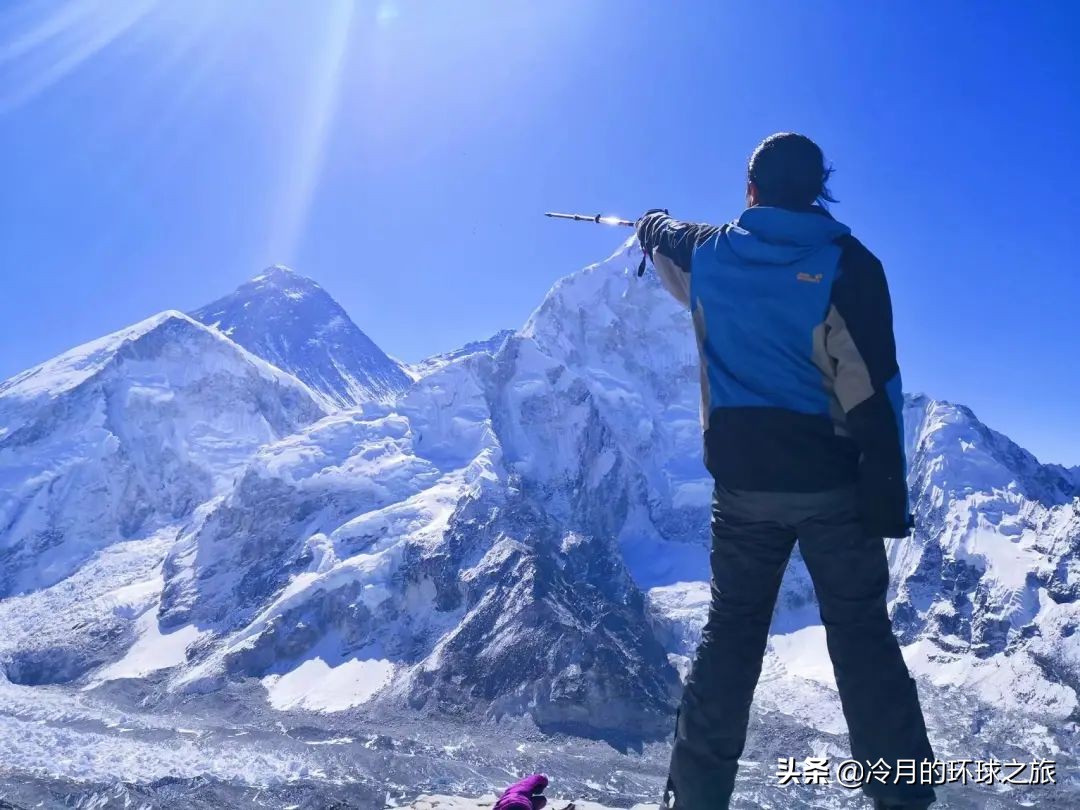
(812, 226)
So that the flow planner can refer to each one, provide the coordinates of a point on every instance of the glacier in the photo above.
(255, 556)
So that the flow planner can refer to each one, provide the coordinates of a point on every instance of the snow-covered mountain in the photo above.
(115, 444)
(430, 554)
(490, 345)
(293, 323)
(989, 584)
(434, 543)
(116, 436)
(520, 536)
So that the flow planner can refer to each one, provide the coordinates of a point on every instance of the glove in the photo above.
(646, 227)
(646, 231)
(882, 498)
(524, 795)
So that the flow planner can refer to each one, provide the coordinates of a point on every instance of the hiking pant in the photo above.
(753, 535)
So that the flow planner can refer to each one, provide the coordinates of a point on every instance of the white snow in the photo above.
(152, 651)
(113, 588)
(1012, 682)
(323, 687)
(126, 434)
(30, 747)
(77, 365)
(803, 654)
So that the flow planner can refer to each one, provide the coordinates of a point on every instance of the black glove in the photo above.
(647, 226)
(883, 504)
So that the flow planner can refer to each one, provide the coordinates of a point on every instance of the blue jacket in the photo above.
(801, 390)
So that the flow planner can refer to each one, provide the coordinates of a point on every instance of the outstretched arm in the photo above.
(859, 339)
(670, 244)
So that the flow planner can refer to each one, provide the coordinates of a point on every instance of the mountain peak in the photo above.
(964, 454)
(141, 340)
(280, 275)
(291, 322)
(489, 345)
(279, 280)
(279, 269)
(71, 368)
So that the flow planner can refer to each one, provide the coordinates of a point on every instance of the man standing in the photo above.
(801, 406)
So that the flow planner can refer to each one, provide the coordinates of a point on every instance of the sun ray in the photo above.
(94, 26)
(298, 187)
(49, 28)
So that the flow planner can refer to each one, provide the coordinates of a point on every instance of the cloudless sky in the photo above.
(157, 154)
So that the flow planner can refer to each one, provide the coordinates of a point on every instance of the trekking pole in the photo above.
(600, 219)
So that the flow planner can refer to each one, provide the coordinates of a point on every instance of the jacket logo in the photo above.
(812, 278)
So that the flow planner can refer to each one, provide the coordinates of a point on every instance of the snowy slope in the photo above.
(630, 344)
(118, 440)
(426, 551)
(490, 345)
(991, 575)
(293, 323)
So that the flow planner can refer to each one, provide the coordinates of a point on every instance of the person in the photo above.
(801, 409)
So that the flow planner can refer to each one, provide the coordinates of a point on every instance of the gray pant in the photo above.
(753, 535)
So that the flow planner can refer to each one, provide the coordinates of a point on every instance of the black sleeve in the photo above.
(675, 240)
(860, 340)
(670, 244)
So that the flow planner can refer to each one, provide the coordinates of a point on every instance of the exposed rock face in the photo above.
(291, 322)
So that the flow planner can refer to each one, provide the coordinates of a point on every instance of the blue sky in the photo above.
(157, 154)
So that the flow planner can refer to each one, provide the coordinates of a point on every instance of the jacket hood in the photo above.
(764, 235)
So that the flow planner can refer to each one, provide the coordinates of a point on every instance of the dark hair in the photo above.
(789, 171)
